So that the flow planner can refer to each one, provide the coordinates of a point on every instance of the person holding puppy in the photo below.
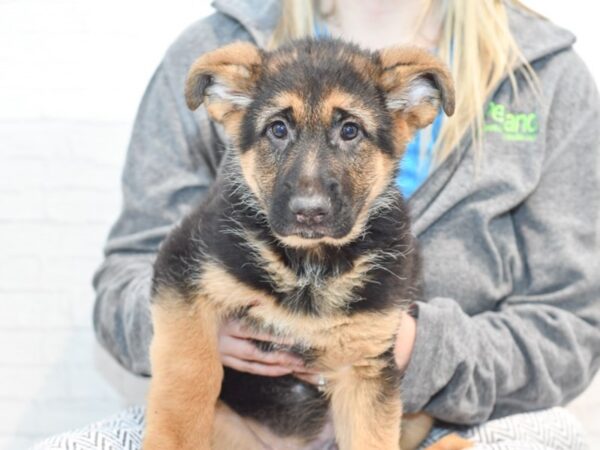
(504, 199)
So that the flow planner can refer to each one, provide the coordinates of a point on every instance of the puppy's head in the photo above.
(319, 126)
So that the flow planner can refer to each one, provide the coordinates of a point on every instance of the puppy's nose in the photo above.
(310, 210)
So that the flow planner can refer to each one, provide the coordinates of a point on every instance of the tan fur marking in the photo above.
(402, 135)
(223, 291)
(230, 118)
(361, 422)
(282, 101)
(346, 339)
(335, 292)
(185, 344)
(356, 339)
(338, 291)
(282, 276)
(382, 171)
(293, 100)
(299, 242)
(249, 172)
(350, 103)
(184, 350)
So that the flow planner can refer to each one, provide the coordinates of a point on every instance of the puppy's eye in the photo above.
(279, 129)
(349, 131)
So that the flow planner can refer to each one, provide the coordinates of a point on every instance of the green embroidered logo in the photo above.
(512, 126)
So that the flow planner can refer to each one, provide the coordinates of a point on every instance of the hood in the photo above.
(536, 36)
(258, 17)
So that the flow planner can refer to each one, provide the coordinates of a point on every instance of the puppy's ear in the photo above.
(415, 84)
(224, 79)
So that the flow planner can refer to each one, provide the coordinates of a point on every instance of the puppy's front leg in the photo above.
(366, 406)
(186, 375)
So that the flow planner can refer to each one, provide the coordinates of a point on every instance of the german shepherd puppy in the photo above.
(303, 235)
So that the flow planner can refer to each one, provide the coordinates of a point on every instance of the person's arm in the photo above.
(541, 347)
(167, 171)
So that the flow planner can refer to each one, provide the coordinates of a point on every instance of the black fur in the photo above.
(285, 404)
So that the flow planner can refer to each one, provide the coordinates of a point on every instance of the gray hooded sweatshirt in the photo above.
(510, 240)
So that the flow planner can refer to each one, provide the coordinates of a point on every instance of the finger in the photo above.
(308, 371)
(235, 328)
(255, 367)
(311, 378)
(246, 350)
(232, 328)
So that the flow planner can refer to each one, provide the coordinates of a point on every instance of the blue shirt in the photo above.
(414, 167)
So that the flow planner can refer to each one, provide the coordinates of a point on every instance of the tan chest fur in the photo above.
(336, 338)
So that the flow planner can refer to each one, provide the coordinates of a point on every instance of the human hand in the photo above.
(238, 352)
(405, 341)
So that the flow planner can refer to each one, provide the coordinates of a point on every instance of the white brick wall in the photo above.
(53, 224)
(71, 76)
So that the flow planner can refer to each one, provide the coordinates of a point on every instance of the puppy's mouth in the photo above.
(310, 233)
(296, 235)
(313, 231)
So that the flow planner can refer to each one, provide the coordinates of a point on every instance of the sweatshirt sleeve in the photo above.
(541, 346)
(168, 169)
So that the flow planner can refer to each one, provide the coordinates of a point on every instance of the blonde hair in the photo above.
(475, 42)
